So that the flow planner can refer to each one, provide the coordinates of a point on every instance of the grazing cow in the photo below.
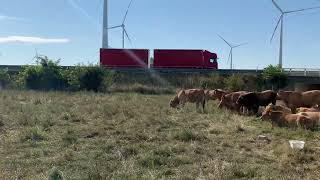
(286, 117)
(191, 95)
(312, 109)
(291, 120)
(253, 100)
(271, 107)
(295, 100)
(215, 94)
(229, 100)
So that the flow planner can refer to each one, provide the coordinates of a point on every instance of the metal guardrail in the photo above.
(302, 72)
(294, 72)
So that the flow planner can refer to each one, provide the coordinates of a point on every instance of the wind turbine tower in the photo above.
(230, 58)
(105, 40)
(281, 22)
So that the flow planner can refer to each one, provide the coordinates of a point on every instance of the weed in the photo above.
(55, 174)
(33, 134)
(69, 138)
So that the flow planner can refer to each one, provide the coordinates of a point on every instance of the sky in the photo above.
(70, 30)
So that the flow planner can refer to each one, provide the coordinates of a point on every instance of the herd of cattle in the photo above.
(283, 108)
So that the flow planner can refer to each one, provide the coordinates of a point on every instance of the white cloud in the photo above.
(32, 40)
(10, 18)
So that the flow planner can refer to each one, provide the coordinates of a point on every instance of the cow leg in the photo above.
(256, 110)
(203, 104)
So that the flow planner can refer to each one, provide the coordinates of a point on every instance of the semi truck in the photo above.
(163, 58)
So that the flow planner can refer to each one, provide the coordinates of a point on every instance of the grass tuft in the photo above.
(55, 174)
(32, 134)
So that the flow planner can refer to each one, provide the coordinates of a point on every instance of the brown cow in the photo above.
(295, 100)
(253, 100)
(291, 120)
(271, 107)
(191, 95)
(312, 109)
(286, 117)
(229, 100)
(215, 94)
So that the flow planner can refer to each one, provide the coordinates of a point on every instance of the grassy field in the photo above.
(132, 136)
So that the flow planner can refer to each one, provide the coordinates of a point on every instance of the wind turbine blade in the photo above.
(240, 45)
(275, 29)
(125, 16)
(305, 9)
(224, 40)
(113, 27)
(125, 31)
(277, 6)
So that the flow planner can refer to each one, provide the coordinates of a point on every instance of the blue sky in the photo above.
(71, 29)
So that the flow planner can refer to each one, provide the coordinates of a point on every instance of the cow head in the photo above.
(174, 102)
(266, 113)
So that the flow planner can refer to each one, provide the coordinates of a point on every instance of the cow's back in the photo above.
(311, 98)
(195, 95)
(266, 97)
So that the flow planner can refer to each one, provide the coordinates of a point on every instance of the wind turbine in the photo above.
(123, 26)
(231, 50)
(280, 21)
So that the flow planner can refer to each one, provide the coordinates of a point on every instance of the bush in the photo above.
(47, 75)
(234, 83)
(91, 78)
(5, 78)
(275, 76)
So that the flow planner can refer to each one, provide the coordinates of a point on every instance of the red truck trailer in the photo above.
(124, 58)
(174, 58)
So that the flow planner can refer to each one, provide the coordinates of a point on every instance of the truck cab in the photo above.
(210, 60)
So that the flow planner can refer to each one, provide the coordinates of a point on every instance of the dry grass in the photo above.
(131, 136)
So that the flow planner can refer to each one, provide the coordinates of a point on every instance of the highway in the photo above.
(294, 72)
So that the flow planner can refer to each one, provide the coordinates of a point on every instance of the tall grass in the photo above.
(132, 136)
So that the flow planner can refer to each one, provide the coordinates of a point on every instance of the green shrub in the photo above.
(5, 78)
(234, 83)
(72, 76)
(89, 78)
(92, 79)
(275, 76)
(47, 75)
